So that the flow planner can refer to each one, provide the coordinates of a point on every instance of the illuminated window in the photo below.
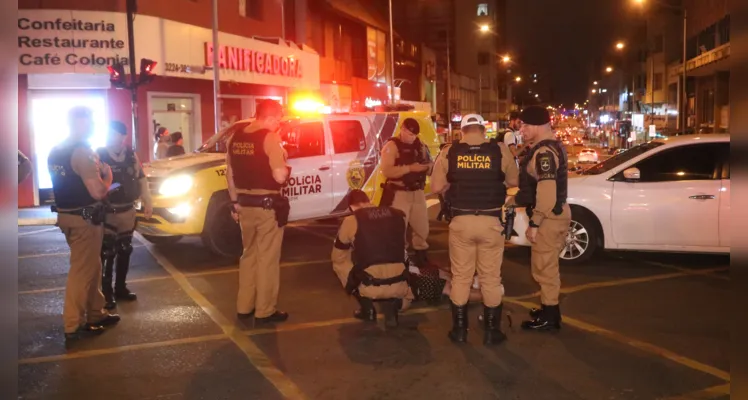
(483, 9)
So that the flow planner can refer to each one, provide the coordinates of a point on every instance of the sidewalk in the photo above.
(36, 216)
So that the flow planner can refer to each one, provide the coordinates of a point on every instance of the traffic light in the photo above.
(117, 75)
(147, 70)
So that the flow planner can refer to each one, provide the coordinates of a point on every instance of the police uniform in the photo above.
(543, 191)
(80, 218)
(253, 154)
(120, 221)
(369, 260)
(404, 190)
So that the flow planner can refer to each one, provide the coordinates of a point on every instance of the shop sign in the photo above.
(241, 59)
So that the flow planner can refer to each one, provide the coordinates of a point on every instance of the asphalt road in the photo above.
(637, 326)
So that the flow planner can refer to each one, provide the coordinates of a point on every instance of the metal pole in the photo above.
(131, 9)
(283, 19)
(392, 58)
(684, 93)
(216, 70)
(449, 86)
(652, 98)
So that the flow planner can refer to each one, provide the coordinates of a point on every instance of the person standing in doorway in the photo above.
(80, 182)
(176, 148)
(162, 143)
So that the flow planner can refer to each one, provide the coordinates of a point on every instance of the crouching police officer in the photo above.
(369, 260)
(405, 163)
(474, 173)
(543, 184)
(80, 182)
(256, 171)
(119, 224)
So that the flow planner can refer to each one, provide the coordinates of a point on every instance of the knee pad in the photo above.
(124, 245)
(108, 246)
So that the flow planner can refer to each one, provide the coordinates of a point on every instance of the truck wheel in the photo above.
(582, 240)
(162, 240)
(221, 234)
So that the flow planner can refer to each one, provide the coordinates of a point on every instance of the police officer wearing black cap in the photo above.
(543, 190)
(120, 221)
(405, 163)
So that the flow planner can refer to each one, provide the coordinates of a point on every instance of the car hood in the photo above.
(183, 163)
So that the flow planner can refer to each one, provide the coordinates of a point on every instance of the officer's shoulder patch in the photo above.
(545, 166)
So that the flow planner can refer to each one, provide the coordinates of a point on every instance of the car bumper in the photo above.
(178, 219)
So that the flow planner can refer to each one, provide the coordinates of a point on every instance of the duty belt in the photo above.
(119, 209)
(488, 213)
(94, 213)
(368, 280)
(264, 201)
(401, 187)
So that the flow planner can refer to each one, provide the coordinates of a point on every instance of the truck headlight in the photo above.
(175, 186)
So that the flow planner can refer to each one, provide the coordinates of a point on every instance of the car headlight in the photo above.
(175, 186)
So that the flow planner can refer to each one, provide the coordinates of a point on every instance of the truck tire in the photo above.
(162, 240)
(584, 238)
(221, 234)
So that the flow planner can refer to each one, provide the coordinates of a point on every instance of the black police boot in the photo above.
(109, 320)
(121, 292)
(536, 312)
(458, 334)
(84, 331)
(492, 325)
(367, 312)
(106, 282)
(278, 316)
(390, 310)
(548, 318)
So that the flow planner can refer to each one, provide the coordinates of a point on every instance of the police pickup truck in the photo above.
(329, 155)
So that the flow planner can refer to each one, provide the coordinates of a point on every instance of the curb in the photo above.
(36, 221)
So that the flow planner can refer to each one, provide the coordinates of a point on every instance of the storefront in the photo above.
(63, 59)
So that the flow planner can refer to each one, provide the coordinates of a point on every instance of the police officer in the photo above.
(473, 174)
(405, 163)
(512, 136)
(256, 172)
(119, 224)
(368, 257)
(80, 182)
(543, 184)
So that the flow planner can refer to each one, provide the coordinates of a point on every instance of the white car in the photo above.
(668, 195)
(587, 156)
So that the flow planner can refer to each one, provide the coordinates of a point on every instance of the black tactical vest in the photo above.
(69, 190)
(528, 185)
(249, 162)
(408, 154)
(125, 173)
(475, 176)
(380, 237)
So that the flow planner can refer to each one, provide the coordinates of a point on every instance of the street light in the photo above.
(506, 59)
(518, 79)
(609, 69)
(536, 95)
(594, 90)
(594, 83)
(620, 45)
(485, 28)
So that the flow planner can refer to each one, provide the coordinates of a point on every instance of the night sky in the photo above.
(564, 39)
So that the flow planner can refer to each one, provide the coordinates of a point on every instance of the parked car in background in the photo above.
(587, 155)
(667, 195)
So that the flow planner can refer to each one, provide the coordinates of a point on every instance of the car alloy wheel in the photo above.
(577, 241)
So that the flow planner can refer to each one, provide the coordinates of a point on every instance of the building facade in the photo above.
(65, 48)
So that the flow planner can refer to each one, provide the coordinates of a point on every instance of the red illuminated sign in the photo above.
(238, 59)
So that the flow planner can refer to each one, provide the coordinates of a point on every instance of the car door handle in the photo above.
(324, 168)
(702, 197)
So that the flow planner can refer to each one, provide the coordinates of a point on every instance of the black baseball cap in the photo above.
(118, 127)
(535, 115)
(412, 125)
(357, 196)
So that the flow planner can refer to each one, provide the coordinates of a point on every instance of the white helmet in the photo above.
(472, 119)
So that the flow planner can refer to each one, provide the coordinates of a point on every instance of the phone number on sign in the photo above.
(171, 67)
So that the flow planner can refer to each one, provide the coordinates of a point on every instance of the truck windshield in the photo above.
(217, 142)
(620, 158)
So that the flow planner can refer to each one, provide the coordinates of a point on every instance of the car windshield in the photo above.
(217, 142)
(620, 158)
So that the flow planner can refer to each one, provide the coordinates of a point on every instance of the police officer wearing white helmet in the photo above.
(473, 175)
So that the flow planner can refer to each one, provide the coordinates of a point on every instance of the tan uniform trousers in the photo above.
(413, 204)
(476, 243)
(84, 301)
(399, 290)
(259, 266)
(120, 224)
(549, 242)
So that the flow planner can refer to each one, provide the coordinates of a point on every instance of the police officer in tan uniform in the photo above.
(119, 224)
(473, 174)
(368, 257)
(80, 182)
(405, 163)
(543, 189)
(256, 171)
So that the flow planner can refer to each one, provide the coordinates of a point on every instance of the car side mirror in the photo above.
(632, 174)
